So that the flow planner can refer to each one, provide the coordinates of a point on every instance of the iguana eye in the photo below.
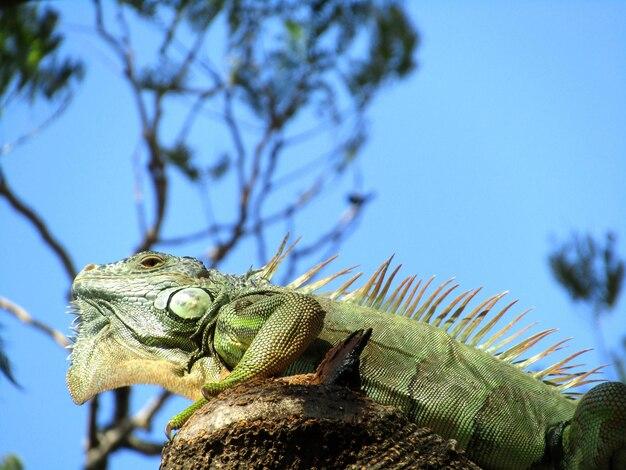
(151, 261)
(192, 302)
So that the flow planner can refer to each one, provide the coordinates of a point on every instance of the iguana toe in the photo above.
(181, 418)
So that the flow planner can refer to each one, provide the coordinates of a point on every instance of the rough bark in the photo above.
(276, 424)
(319, 420)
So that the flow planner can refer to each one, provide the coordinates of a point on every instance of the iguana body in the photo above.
(156, 318)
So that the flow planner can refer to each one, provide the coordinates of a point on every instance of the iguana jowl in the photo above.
(162, 319)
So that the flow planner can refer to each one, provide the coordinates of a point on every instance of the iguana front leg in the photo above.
(258, 335)
(181, 418)
(261, 334)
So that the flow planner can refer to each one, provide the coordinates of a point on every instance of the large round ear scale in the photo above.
(192, 302)
(163, 297)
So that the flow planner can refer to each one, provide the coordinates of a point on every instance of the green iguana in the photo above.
(167, 320)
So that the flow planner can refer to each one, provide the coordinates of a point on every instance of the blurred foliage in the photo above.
(11, 462)
(180, 156)
(5, 365)
(590, 271)
(30, 62)
(284, 56)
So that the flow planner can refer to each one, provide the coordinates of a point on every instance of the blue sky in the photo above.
(511, 132)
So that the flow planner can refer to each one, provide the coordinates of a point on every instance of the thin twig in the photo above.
(235, 134)
(57, 248)
(264, 193)
(156, 166)
(292, 208)
(222, 249)
(142, 446)
(310, 166)
(207, 232)
(194, 110)
(22, 315)
(143, 418)
(332, 237)
(190, 56)
(280, 215)
(10, 146)
(103, 33)
(203, 64)
(139, 198)
(92, 423)
(170, 32)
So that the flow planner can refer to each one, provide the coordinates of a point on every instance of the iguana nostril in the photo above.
(89, 267)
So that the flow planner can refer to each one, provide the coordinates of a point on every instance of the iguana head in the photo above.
(135, 324)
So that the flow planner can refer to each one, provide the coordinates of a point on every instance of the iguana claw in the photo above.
(181, 418)
(168, 431)
(175, 424)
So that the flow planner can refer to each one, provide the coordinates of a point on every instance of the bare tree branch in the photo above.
(138, 192)
(207, 232)
(332, 238)
(156, 169)
(170, 31)
(142, 446)
(222, 249)
(92, 424)
(117, 435)
(7, 148)
(235, 134)
(22, 315)
(194, 110)
(191, 55)
(156, 166)
(57, 248)
(143, 418)
(278, 216)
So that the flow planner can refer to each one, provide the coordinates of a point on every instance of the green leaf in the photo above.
(295, 30)
(220, 168)
(30, 61)
(11, 462)
(180, 156)
(590, 271)
(5, 365)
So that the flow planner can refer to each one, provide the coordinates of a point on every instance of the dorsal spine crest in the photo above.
(406, 300)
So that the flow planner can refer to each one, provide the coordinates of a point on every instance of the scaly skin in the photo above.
(157, 318)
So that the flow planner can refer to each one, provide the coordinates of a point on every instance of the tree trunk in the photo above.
(308, 421)
(275, 424)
